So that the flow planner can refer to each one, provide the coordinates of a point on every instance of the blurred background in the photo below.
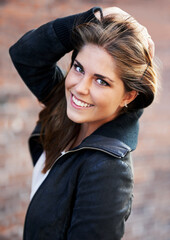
(150, 218)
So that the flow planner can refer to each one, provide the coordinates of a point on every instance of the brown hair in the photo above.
(121, 40)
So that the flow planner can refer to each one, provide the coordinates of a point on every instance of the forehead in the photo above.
(95, 59)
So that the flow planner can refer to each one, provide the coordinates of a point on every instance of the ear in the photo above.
(128, 98)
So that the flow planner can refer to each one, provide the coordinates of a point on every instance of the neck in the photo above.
(85, 131)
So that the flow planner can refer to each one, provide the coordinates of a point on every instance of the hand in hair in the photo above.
(143, 32)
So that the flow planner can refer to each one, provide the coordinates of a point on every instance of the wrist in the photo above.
(63, 26)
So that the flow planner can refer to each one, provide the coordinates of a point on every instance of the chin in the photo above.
(74, 118)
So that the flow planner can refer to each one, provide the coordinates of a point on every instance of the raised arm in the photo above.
(36, 53)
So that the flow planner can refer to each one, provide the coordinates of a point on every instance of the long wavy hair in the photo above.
(134, 65)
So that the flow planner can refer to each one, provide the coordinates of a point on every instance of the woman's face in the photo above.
(94, 92)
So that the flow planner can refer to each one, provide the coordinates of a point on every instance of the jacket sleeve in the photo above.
(103, 202)
(36, 53)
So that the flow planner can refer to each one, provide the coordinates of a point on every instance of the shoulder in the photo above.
(100, 164)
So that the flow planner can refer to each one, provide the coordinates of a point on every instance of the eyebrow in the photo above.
(79, 64)
(103, 77)
(96, 75)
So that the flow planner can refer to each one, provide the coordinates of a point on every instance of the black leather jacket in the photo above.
(87, 194)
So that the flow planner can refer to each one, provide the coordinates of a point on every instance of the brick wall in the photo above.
(150, 218)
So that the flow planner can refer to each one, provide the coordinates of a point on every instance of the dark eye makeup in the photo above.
(79, 68)
(102, 82)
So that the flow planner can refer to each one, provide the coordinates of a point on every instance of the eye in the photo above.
(102, 82)
(78, 68)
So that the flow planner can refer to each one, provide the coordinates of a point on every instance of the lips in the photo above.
(80, 103)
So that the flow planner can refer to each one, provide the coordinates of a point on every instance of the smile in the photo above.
(80, 103)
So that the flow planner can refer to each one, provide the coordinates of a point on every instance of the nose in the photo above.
(83, 86)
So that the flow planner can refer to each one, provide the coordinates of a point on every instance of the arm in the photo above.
(103, 202)
(36, 53)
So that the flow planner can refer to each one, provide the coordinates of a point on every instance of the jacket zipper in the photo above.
(92, 148)
(70, 151)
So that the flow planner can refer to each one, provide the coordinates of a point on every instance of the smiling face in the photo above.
(94, 92)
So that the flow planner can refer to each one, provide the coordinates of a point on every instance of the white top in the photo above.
(38, 177)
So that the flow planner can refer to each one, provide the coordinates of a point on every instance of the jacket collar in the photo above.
(105, 144)
(116, 137)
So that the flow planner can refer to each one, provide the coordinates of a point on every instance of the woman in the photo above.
(81, 147)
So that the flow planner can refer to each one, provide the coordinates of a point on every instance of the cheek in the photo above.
(110, 101)
(67, 81)
(70, 80)
(102, 100)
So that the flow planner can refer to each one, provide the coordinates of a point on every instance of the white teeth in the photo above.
(79, 103)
